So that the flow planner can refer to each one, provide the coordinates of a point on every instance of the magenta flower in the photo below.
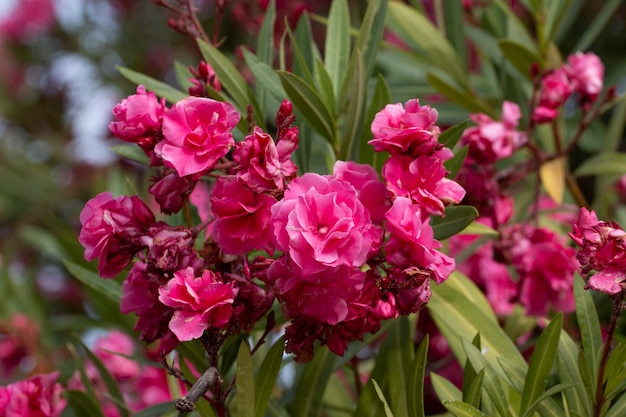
(372, 191)
(243, 217)
(171, 191)
(112, 229)
(38, 396)
(423, 180)
(586, 72)
(492, 140)
(408, 130)
(321, 223)
(196, 134)
(556, 87)
(204, 76)
(411, 242)
(201, 303)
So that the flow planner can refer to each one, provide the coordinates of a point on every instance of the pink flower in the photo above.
(243, 217)
(411, 242)
(556, 87)
(138, 118)
(423, 180)
(408, 131)
(18, 334)
(321, 223)
(587, 73)
(111, 230)
(27, 19)
(37, 396)
(196, 134)
(113, 350)
(204, 76)
(491, 140)
(202, 303)
(172, 191)
(170, 248)
(372, 191)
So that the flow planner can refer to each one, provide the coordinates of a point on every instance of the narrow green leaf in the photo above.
(388, 412)
(183, 74)
(156, 410)
(445, 390)
(459, 97)
(311, 385)
(83, 404)
(455, 29)
(456, 163)
(599, 23)
(451, 135)
(457, 218)
(266, 376)
(353, 126)
(461, 409)
(160, 88)
(585, 374)
(618, 409)
(245, 383)
(616, 369)
(589, 324)
(515, 28)
(397, 351)
(577, 399)
(541, 363)
(132, 152)
(337, 47)
(264, 75)
(325, 85)
(370, 34)
(547, 395)
(468, 370)
(192, 351)
(303, 47)
(609, 163)
(265, 39)
(310, 106)
(274, 409)
(415, 383)
(108, 288)
(473, 394)
(476, 228)
(521, 57)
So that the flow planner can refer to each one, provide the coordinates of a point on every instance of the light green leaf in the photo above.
(521, 57)
(107, 288)
(397, 351)
(462, 98)
(266, 376)
(451, 135)
(160, 88)
(541, 363)
(245, 382)
(476, 228)
(265, 39)
(461, 409)
(370, 35)
(415, 383)
(457, 218)
(310, 106)
(445, 390)
(325, 85)
(303, 49)
(82, 403)
(468, 371)
(547, 395)
(577, 399)
(455, 29)
(618, 409)
(380, 394)
(609, 163)
(132, 152)
(337, 47)
(590, 332)
(264, 75)
(473, 394)
(311, 385)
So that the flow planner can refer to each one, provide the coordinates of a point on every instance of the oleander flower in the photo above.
(201, 303)
(171, 191)
(556, 87)
(406, 130)
(112, 229)
(39, 396)
(258, 162)
(196, 134)
(586, 72)
(321, 223)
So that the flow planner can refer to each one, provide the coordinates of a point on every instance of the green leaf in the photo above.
(415, 383)
(456, 163)
(370, 36)
(274, 409)
(455, 29)
(156, 410)
(83, 404)
(468, 370)
(598, 24)
(310, 106)
(265, 39)
(245, 382)
(520, 56)
(473, 394)
(380, 99)
(462, 98)
(541, 363)
(476, 228)
(397, 353)
(183, 74)
(457, 218)
(325, 85)
(311, 385)
(547, 395)
(388, 412)
(264, 75)
(585, 374)
(160, 88)
(451, 136)
(108, 288)
(445, 390)
(618, 409)
(461, 409)
(609, 163)
(266, 376)
(353, 125)
(589, 324)
(132, 152)
(193, 352)
(303, 49)
(577, 399)
(337, 47)
(416, 29)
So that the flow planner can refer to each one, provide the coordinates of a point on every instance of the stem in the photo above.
(618, 306)
(187, 404)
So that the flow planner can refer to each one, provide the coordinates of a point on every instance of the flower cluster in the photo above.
(347, 249)
(602, 250)
(39, 395)
(582, 73)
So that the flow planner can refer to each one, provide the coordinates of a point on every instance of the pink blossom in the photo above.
(243, 217)
(170, 248)
(171, 191)
(423, 180)
(556, 87)
(258, 162)
(204, 76)
(411, 242)
(111, 230)
(37, 396)
(18, 334)
(201, 303)
(27, 18)
(364, 178)
(586, 72)
(491, 140)
(196, 134)
(408, 130)
(322, 223)
(113, 350)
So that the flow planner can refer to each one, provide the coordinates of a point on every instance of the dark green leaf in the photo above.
(609, 163)
(599, 23)
(337, 47)
(108, 288)
(325, 85)
(457, 218)
(461, 409)
(456, 163)
(192, 351)
(266, 376)
(591, 335)
(183, 74)
(462, 98)
(156, 410)
(451, 136)
(541, 363)
(303, 49)
(397, 351)
(521, 57)
(265, 40)
(370, 34)
(353, 126)
(585, 374)
(618, 409)
(160, 88)
(245, 383)
(547, 395)
(577, 399)
(132, 152)
(380, 394)
(415, 383)
(274, 409)
(312, 384)
(83, 404)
